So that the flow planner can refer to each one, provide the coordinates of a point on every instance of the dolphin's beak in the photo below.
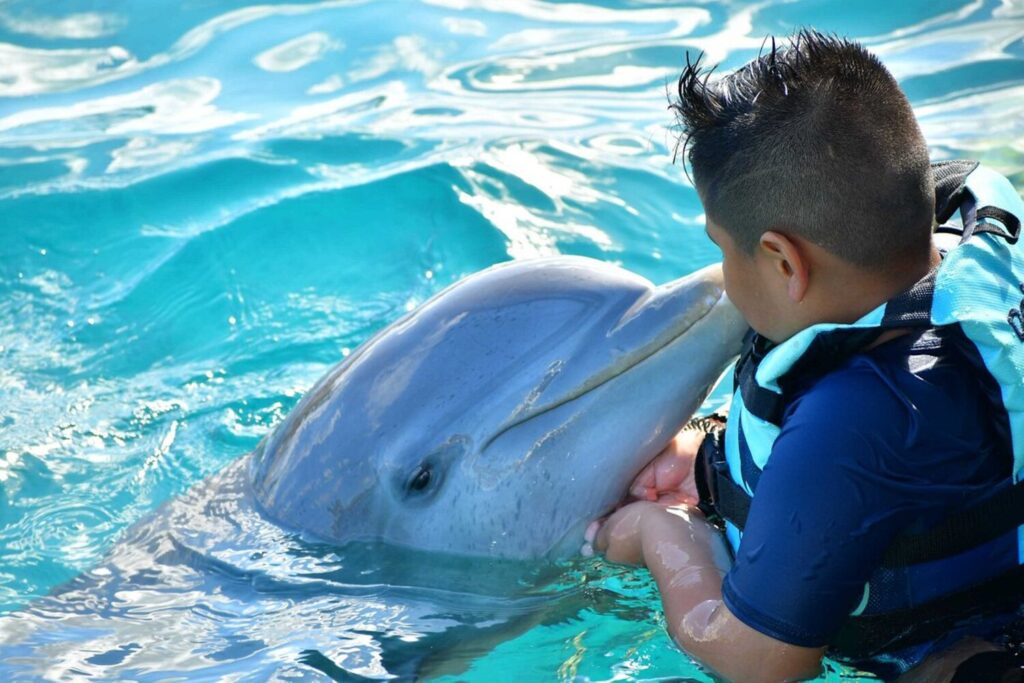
(671, 309)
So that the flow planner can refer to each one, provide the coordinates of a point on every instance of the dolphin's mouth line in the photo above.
(601, 379)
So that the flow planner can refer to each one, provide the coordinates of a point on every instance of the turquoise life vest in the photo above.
(979, 286)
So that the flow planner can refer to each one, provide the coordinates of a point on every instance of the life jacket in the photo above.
(979, 287)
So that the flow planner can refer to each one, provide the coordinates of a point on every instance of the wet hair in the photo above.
(816, 139)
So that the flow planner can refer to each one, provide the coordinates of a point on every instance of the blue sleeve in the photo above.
(848, 472)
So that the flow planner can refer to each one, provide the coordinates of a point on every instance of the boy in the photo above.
(817, 187)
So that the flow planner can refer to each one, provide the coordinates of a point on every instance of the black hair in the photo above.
(814, 138)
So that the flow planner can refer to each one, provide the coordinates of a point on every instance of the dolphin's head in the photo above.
(504, 413)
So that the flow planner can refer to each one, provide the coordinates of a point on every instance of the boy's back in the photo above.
(889, 442)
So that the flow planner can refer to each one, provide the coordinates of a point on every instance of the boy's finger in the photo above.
(601, 539)
(602, 534)
(675, 498)
(649, 493)
(590, 547)
(643, 482)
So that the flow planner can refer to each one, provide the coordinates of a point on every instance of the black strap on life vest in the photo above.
(961, 531)
(866, 636)
(951, 194)
(950, 185)
(1000, 666)
(717, 493)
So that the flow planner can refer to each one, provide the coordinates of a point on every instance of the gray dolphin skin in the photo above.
(502, 415)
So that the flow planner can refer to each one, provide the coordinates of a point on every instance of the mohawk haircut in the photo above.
(816, 139)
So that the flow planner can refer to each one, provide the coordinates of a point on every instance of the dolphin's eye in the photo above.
(420, 479)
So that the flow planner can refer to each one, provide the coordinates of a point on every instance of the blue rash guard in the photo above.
(895, 439)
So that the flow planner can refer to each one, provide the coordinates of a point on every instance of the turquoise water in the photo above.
(203, 206)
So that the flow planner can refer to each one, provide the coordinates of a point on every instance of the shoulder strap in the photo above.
(950, 186)
(952, 193)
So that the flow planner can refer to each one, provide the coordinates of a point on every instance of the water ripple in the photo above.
(67, 531)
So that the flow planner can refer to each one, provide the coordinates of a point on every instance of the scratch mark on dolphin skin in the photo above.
(548, 437)
(493, 475)
(553, 371)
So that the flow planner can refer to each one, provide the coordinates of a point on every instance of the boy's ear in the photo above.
(789, 261)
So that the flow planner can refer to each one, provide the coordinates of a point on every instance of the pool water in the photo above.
(204, 205)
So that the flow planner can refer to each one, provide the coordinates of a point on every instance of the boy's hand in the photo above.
(619, 538)
(668, 478)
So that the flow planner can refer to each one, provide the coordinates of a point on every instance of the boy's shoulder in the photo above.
(935, 362)
(909, 398)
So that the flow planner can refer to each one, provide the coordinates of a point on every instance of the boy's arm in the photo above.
(687, 558)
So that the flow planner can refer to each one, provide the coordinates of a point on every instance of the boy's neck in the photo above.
(848, 293)
(885, 286)
(888, 335)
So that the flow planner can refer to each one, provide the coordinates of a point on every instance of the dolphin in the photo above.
(503, 414)
(417, 500)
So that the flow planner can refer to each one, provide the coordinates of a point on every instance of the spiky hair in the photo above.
(813, 137)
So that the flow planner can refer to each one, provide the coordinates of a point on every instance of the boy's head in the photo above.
(813, 142)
